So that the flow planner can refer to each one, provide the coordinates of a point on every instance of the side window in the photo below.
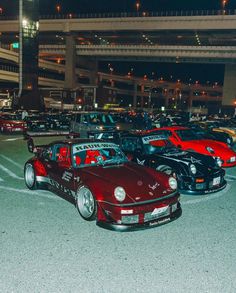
(139, 144)
(77, 118)
(48, 153)
(129, 144)
(62, 153)
(85, 118)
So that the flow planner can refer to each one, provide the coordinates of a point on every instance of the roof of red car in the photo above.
(170, 128)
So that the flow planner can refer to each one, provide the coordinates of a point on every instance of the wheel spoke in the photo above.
(85, 203)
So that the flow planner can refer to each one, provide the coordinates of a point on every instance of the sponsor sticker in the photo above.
(158, 211)
(216, 181)
(91, 146)
(147, 139)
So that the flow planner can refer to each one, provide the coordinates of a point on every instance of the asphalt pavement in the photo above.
(45, 246)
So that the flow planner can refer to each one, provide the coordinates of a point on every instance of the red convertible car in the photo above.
(98, 178)
(186, 139)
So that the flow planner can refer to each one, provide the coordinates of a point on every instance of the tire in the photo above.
(166, 169)
(86, 204)
(30, 177)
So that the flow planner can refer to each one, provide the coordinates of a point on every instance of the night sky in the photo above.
(91, 6)
(184, 72)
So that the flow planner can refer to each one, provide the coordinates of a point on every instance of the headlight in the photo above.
(228, 141)
(210, 150)
(173, 183)
(193, 169)
(219, 162)
(119, 193)
(99, 127)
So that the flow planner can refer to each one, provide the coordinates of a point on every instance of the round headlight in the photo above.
(210, 150)
(229, 141)
(219, 162)
(193, 169)
(173, 183)
(119, 193)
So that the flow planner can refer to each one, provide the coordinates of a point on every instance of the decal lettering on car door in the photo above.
(67, 176)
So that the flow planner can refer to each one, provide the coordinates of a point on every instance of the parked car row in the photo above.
(128, 180)
(18, 122)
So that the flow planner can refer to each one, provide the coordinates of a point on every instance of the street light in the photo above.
(137, 5)
(58, 9)
(223, 3)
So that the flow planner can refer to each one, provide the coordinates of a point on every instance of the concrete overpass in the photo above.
(182, 38)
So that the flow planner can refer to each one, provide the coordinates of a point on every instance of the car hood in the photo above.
(140, 183)
(188, 157)
(203, 143)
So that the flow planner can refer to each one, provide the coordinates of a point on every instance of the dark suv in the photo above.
(93, 124)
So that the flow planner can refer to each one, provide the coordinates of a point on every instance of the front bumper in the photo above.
(203, 191)
(125, 227)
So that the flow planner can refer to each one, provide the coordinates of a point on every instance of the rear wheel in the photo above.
(30, 177)
(86, 204)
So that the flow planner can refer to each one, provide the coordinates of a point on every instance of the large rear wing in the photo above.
(30, 137)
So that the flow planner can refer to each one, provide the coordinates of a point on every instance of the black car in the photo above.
(36, 123)
(195, 173)
(58, 121)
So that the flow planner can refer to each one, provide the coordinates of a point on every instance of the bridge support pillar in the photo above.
(135, 95)
(28, 96)
(229, 88)
(70, 76)
(93, 76)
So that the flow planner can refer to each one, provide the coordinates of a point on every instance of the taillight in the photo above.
(40, 169)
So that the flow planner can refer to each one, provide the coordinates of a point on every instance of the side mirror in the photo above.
(30, 145)
(130, 157)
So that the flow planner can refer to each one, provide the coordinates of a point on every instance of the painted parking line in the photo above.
(12, 162)
(10, 173)
(31, 192)
(206, 198)
(230, 177)
(12, 139)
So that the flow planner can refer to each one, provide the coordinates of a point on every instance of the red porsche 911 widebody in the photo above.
(98, 178)
(186, 139)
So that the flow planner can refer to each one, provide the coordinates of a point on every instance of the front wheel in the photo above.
(30, 177)
(86, 204)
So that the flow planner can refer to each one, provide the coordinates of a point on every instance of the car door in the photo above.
(60, 170)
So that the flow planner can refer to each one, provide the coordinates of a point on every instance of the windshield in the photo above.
(100, 118)
(11, 117)
(154, 144)
(95, 154)
(188, 134)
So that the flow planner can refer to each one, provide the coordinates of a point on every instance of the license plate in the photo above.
(41, 126)
(232, 159)
(158, 211)
(17, 129)
(216, 181)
